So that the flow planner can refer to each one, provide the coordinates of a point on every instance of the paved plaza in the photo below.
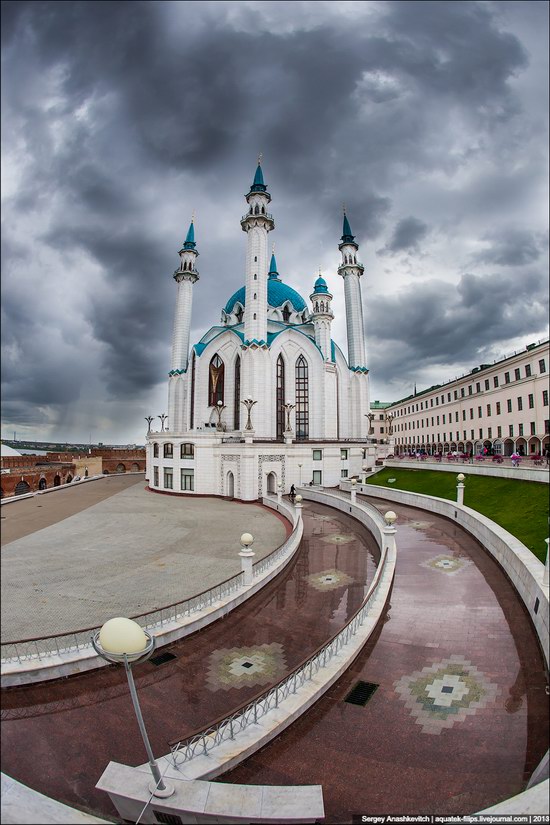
(132, 552)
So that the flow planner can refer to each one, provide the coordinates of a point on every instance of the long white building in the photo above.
(272, 353)
(501, 407)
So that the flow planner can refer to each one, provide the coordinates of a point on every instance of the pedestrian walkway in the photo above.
(130, 553)
(73, 727)
(458, 719)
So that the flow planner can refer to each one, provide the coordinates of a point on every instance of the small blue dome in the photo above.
(277, 294)
(320, 285)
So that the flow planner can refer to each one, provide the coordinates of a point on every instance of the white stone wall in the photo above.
(182, 322)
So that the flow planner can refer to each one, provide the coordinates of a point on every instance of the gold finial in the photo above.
(260, 156)
(319, 272)
(193, 216)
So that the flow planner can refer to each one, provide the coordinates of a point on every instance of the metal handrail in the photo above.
(30, 649)
(202, 741)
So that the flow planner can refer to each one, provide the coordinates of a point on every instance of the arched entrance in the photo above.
(22, 488)
(120, 468)
(534, 446)
(135, 468)
(508, 447)
(272, 483)
(57, 481)
(498, 447)
(230, 485)
(68, 479)
(521, 446)
(42, 484)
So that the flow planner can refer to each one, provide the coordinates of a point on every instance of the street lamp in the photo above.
(219, 407)
(123, 641)
(248, 403)
(288, 407)
(162, 420)
(300, 469)
(370, 416)
(149, 419)
(389, 418)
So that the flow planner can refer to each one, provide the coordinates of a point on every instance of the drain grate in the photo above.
(168, 818)
(162, 658)
(361, 693)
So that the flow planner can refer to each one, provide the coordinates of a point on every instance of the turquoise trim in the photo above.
(177, 372)
(359, 369)
(190, 239)
(347, 237)
(320, 285)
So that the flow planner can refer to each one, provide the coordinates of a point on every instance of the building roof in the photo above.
(320, 285)
(6, 450)
(278, 293)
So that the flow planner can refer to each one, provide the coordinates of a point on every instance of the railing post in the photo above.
(279, 493)
(388, 531)
(247, 555)
(353, 492)
(460, 488)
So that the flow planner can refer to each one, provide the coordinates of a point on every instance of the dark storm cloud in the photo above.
(125, 116)
(512, 247)
(407, 235)
(436, 323)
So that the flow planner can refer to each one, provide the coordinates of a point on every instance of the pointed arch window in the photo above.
(280, 397)
(215, 381)
(286, 314)
(302, 399)
(237, 396)
(239, 314)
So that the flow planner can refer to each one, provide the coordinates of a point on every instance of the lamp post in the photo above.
(370, 416)
(389, 418)
(149, 419)
(219, 407)
(298, 505)
(248, 403)
(288, 407)
(162, 420)
(365, 470)
(123, 641)
(353, 493)
(300, 473)
(460, 488)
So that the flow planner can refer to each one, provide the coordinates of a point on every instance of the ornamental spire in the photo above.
(273, 273)
(347, 236)
(190, 239)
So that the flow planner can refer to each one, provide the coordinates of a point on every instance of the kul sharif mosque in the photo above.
(266, 397)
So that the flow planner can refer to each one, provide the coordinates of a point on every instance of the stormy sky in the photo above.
(121, 119)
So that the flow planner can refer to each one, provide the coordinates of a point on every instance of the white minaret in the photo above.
(185, 276)
(322, 316)
(257, 223)
(351, 270)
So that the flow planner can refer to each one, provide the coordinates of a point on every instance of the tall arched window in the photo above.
(302, 399)
(192, 401)
(239, 315)
(280, 413)
(215, 381)
(237, 396)
(286, 314)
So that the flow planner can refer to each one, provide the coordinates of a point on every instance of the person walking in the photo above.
(292, 493)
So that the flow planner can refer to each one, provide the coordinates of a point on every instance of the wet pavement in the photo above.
(459, 719)
(59, 736)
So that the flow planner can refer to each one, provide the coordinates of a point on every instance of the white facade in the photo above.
(501, 407)
(270, 348)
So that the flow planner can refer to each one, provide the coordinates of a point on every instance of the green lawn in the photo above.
(521, 507)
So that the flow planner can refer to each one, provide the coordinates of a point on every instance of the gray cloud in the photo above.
(395, 108)
(407, 235)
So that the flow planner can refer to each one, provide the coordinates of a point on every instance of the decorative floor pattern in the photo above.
(338, 538)
(445, 693)
(329, 579)
(445, 564)
(239, 667)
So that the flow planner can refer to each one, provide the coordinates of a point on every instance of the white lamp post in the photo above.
(280, 492)
(353, 491)
(247, 555)
(298, 505)
(460, 488)
(123, 641)
(300, 469)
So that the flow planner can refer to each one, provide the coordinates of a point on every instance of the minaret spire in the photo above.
(185, 276)
(351, 271)
(322, 316)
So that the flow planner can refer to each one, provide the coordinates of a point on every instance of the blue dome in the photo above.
(277, 294)
(320, 285)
